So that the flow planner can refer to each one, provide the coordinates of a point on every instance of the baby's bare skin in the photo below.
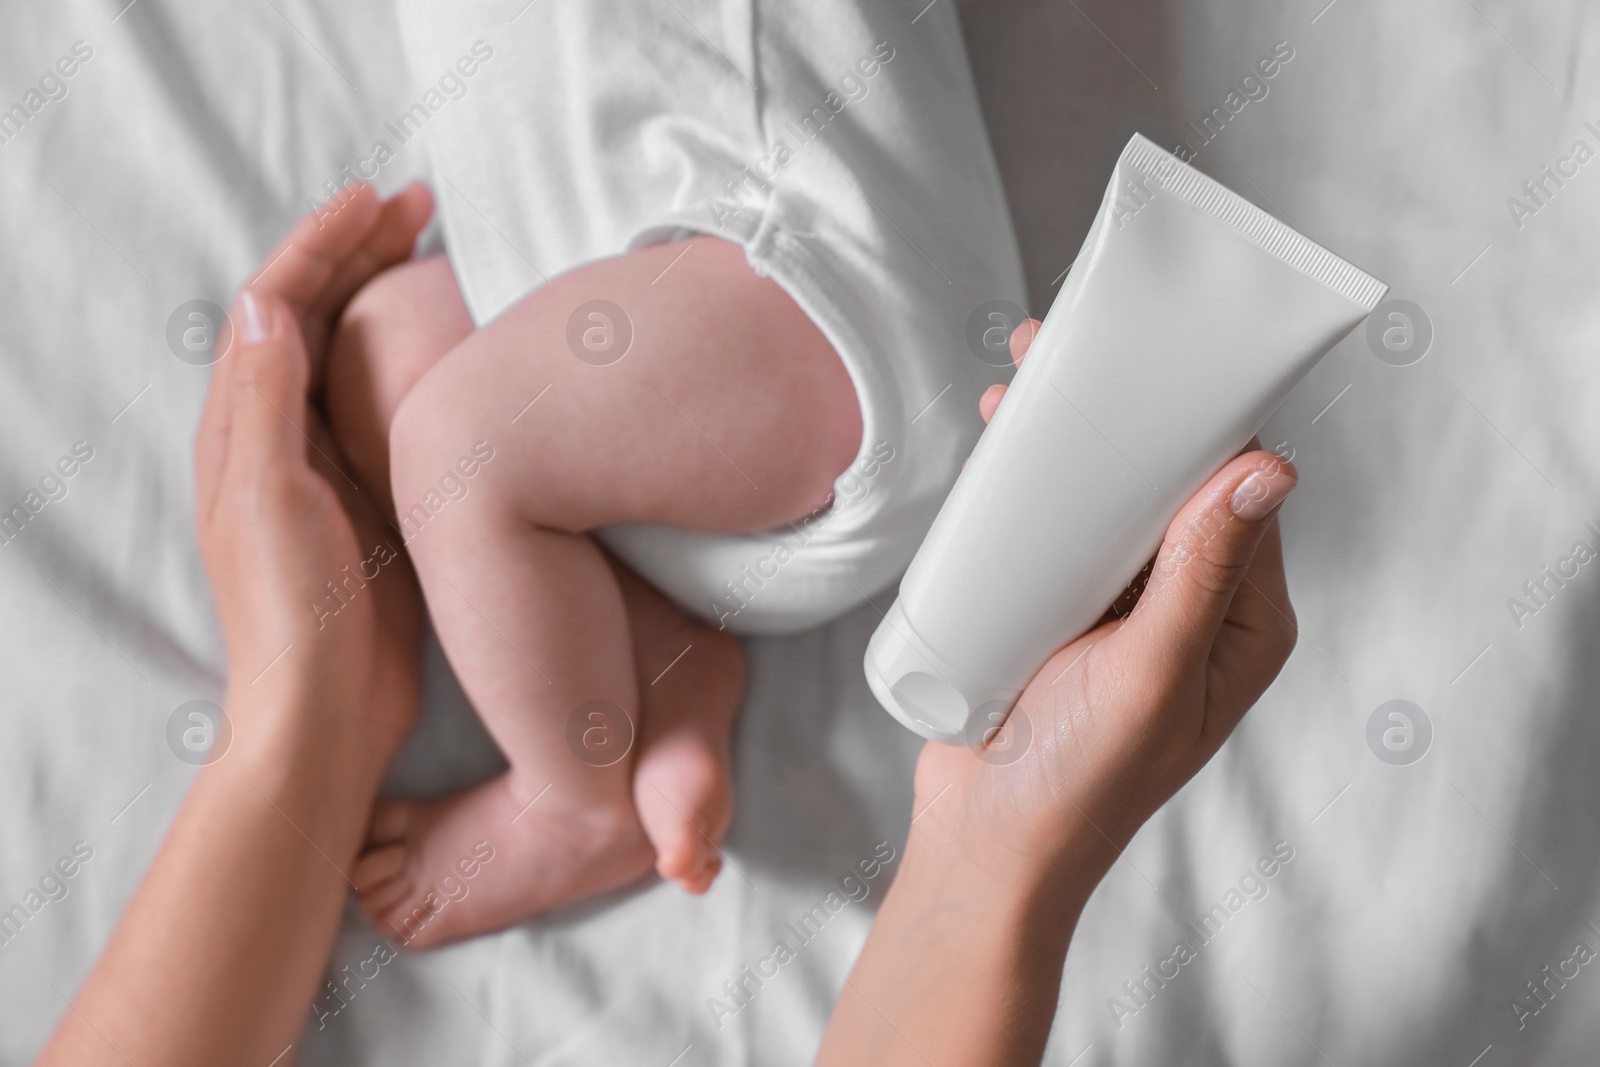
(730, 412)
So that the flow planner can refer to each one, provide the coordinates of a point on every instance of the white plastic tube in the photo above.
(1187, 318)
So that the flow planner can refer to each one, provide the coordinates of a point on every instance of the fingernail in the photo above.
(255, 318)
(1260, 493)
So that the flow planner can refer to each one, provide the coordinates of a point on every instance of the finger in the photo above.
(366, 515)
(211, 443)
(1257, 635)
(328, 460)
(378, 867)
(990, 400)
(266, 387)
(1209, 548)
(214, 436)
(1123, 606)
(299, 269)
(294, 272)
(340, 245)
(338, 248)
(1022, 339)
(390, 240)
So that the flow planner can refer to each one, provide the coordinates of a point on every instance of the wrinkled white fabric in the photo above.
(1418, 901)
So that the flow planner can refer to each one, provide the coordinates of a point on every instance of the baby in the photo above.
(730, 411)
(698, 363)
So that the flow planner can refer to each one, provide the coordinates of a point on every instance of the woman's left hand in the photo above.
(227, 938)
(312, 585)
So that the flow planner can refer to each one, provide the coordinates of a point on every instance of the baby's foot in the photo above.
(484, 858)
(691, 678)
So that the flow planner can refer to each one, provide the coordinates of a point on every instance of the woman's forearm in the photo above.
(963, 965)
(218, 954)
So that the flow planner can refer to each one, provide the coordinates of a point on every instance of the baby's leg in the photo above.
(729, 411)
(691, 675)
(691, 679)
(391, 333)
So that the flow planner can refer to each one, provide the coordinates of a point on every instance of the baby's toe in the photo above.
(391, 821)
(700, 880)
(380, 902)
(378, 867)
(383, 878)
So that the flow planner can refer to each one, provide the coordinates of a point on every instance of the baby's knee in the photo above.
(438, 458)
(389, 335)
(397, 327)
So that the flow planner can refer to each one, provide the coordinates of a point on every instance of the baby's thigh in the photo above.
(671, 384)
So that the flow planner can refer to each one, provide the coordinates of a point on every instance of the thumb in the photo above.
(1206, 554)
(266, 380)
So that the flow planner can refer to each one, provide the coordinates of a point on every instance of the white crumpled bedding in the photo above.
(1408, 904)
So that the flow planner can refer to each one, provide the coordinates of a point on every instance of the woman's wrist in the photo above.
(967, 822)
(305, 750)
(959, 860)
(962, 904)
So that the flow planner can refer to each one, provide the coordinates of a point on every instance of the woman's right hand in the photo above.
(1009, 838)
(1118, 720)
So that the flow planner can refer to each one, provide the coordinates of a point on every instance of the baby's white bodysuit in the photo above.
(840, 142)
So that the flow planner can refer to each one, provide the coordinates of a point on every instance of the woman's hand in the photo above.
(1010, 837)
(1118, 720)
(312, 586)
(223, 947)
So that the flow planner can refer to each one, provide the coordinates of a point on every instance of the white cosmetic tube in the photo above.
(1188, 316)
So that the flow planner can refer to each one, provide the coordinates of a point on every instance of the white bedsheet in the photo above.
(1419, 898)
(185, 146)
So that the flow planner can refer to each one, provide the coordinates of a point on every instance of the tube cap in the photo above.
(924, 691)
